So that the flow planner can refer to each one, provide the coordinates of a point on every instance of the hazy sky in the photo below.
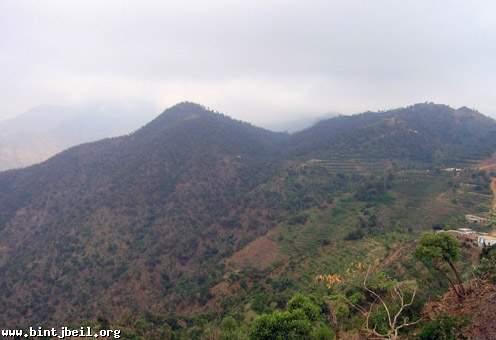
(258, 60)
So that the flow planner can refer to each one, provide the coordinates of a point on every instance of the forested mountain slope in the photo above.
(424, 132)
(152, 223)
(128, 212)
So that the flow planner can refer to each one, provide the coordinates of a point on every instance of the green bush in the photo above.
(302, 320)
(322, 332)
(300, 301)
(298, 219)
(229, 330)
(444, 327)
(487, 266)
(228, 324)
(355, 235)
(290, 325)
(261, 303)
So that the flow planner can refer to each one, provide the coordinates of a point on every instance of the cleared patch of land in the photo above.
(260, 253)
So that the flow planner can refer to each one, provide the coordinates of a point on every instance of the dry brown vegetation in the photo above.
(260, 253)
(478, 305)
(146, 223)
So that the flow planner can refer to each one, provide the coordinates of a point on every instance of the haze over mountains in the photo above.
(248, 170)
(43, 131)
(149, 222)
(430, 132)
(295, 125)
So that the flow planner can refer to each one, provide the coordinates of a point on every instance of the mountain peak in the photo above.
(186, 109)
(177, 114)
(187, 105)
(468, 112)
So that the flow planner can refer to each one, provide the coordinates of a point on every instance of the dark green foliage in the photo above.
(488, 252)
(375, 192)
(487, 266)
(290, 325)
(438, 247)
(260, 303)
(302, 302)
(298, 219)
(149, 204)
(151, 219)
(194, 333)
(422, 132)
(440, 251)
(370, 224)
(354, 235)
(322, 332)
(444, 327)
(480, 180)
(438, 226)
(281, 284)
(229, 330)
(228, 324)
(301, 320)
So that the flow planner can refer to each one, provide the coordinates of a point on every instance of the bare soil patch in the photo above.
(479, 306)
(260, 253)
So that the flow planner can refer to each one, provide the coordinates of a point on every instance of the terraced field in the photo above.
(351, 165)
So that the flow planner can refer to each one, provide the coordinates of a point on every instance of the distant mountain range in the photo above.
(428, 132)
(41, 132)
(144, 223)
(300, 124)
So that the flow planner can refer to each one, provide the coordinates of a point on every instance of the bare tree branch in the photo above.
(394, 325)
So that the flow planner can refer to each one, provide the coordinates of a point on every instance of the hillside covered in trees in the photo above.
(198, 226)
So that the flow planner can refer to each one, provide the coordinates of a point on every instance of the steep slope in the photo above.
(477, 307)
(423, 132)
(110, 226)
(147, 224)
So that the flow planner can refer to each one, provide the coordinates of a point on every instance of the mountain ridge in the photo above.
(396, 131)
(147, 219)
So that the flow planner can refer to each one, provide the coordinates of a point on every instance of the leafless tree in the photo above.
(395, 319)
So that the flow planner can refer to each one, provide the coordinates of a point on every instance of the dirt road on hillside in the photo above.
(493, 189)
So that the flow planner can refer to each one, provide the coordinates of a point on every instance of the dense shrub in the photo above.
(487, 266)
(291, 325)
(444, 327)
(301, 320)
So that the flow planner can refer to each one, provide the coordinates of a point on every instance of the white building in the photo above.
(486, 240)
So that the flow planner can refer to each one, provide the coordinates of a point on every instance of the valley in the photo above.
(248, 170)
(197, 217)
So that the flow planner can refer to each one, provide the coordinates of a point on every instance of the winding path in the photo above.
(493, 189)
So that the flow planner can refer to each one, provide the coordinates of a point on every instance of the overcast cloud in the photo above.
(257, 60)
